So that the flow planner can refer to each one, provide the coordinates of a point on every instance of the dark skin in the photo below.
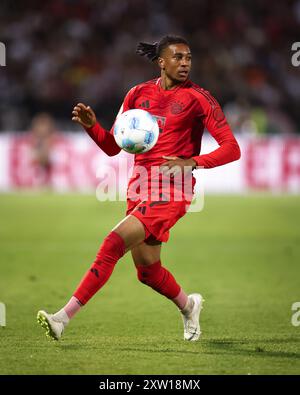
(175, 65)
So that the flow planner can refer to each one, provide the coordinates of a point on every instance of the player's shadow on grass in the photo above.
(217, 346)
(232, 346)
(75, 347)
(168, 350)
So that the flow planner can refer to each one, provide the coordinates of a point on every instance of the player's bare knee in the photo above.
(145, 255)
(131, 230)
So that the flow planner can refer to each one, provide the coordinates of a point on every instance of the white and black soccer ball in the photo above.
(136, 131)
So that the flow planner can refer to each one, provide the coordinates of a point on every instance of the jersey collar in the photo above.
(182, 85)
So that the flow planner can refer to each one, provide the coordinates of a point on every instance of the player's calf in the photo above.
(158, 278)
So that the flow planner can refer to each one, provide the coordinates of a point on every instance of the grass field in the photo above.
(241, 253)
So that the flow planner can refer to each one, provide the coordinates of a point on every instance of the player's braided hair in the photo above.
(153, 51)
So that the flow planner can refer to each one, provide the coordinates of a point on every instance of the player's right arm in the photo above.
(86, 117)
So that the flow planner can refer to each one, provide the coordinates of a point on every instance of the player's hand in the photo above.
(84, 115)
(174, 164)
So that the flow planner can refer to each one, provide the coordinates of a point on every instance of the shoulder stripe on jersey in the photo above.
(206, 94)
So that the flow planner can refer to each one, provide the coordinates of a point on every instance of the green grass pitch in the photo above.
(242, 253)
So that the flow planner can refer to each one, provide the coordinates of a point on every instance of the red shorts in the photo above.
(158, 217)
(158, 201)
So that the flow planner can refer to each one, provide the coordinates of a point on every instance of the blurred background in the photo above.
(61, 52)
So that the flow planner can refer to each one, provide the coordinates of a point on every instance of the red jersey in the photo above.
(182, 114)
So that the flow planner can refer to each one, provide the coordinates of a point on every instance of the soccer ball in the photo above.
(136, 131)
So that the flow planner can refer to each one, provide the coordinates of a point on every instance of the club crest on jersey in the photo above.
(176, 107)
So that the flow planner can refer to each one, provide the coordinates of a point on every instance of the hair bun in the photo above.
(148, 50)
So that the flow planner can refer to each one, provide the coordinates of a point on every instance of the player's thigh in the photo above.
(132, 231)
(145, 254)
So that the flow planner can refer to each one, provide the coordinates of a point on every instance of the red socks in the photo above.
(111, 250)
(158, 278)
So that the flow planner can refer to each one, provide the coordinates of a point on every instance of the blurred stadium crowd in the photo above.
(60, 52)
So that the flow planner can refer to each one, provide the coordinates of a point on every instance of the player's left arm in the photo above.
(216, 123)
